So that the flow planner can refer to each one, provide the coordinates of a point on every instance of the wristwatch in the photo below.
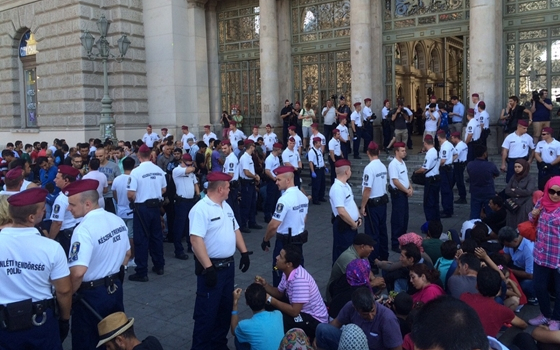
(269, 300)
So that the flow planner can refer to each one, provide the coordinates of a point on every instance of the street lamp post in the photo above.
(107, 122)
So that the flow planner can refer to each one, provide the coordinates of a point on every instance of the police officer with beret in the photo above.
(288, 220)
(214, 235)
(291, 157)
(335, 152)
(317, 169)
(231, 167)
(146, 187)
(430, 170)
(249, 179)
(446, 174)
(27, 307)
(187, 193)
(400, 189)
(100, 249)
(271, 163)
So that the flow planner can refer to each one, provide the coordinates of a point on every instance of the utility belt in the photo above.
(341, 225)
(432, 179)
(247, 182)
(25, 314)
(377, 201)
(151, 203)
(516, 158)
(446, 167)
(234, 184)
(460, 164)
(180, 199)
(394, 191)
(318, 168)
(218, 263)
(107, 281)
(300, 239)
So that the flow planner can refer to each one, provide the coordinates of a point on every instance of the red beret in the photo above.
(207, 126)
(268, 126)
(28, 197)
(187, 157)
(248, 142)
(470, 111)
(481, 104)
(284, 169)
(335, 131)
(433, 97)
(373, 146)
(342, 162)
(316, 139)
(428, 138)
(163, 129)
(68, 170)
(233, 122)
(314, 125)
(297, 103)
(548, 129)
(218, 176)
(144, 149)
(149, 126)
(398, 145)
(277, 145)
(226, 142)
(441, 132)
(475, 95)
(184, 127)
(357, 104)
(15, 173)
(342, 118)
(81, 186)
(385, 102)
(523, 123)
(291, 139)
(367, 100)
(292, 128)
(256, 126)
(456, 134)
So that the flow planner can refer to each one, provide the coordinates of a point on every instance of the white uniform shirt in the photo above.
(298, 143)
(291, 157)
(344, 134)
(446, 151)
(184, 139)
(476, 112)
(334, 145)
(484, 119)
(385, 112)
(291, 210)
(431, 161)
(473, 128)
(321, 136)
(147, 180)
(60, 212)
(270, 140)
(271, 163)
(254, 138)
(99, 176)
(548, 151)
(185, 183)
(431, 125)
(398, 170)
(518, 146)
(100, 243)
(341, 196)
(235, 137)
(330, 116)
(375, 177)
(367, 112)
(216, 225)
(461, 149)
(27, 273)
(356, 117)
(206, 138)
(316, 156)
(119, 186)
(149, 139)
(246, 163)
(23, 186)
(230, 166)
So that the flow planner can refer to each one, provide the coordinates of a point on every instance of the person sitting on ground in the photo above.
(305, 308)
(396, 274)
(378, 323)
(480, 234)
(496, 218)
(116, 332)
(491, 314)
(432, 242)
(352, 338)
(425, 281)
(295, 338)
(447, 262)
(262, 331)
(402, 306)
(464, 278)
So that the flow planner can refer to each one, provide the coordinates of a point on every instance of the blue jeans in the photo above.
(479, 201)
(147, 242)
(541, 277)
(327, 336)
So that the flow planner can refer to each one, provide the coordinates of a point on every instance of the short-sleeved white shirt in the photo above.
(446, 152)
(184, 139)
(291, 157)
(367, 112)
(398, 170)
(385, 112)
(431, 125)
(270, 140)
(341, 196)
(149, 139)
(60, 212)
(356, 117)
(230, 166)
(298, 142)
(473, 128)
(344, 135)
(235, 137)
(147, 180)
(119, 186)
(254, 138)
(548, 151)
(271, 163)
(291, 210)
(334, 145)
(100, 243)
(518, 146)
(322, 137)
(216, 225)
(431, 161)
(316, 156)
(246, 163)
(375, 177)
(330, 116)
(484, 119)
(99, 176)
(206, 138)
(27, 273)
(185, 183)
(461, 149)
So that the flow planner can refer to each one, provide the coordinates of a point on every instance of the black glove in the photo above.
(131, 205)
(211, 276)
(244, 262)
(63, 329)
(265, 244)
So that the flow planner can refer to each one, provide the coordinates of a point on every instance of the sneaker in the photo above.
(554, 325)
(138, 278)
(540, 319)
(131, 263)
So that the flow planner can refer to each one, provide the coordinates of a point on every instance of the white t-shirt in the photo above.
(431, 125)
(344, 134)
(235, 137)
(60, 212)
(446, 152)
(230, 166)
(185, 183)
(518, 146)
(431, 161)
(334, 145)
(341, 196)
(149, 139)
(291, 158)
(119, 186)
(271, 163)
(398, 170)
(291, 211)
(473, 128)
(356, 117)
(375, 177)
(270, 140)
(548, 151)
(147, 180)
(99, 176)
(308, 116)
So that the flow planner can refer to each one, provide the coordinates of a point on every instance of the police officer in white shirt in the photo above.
(344, 136)
(547, 154)
(271, 163)
(63, 222)
(345, 211)
(146, 187)
(459, 163)
(335, 152)
(149, 137)
(100, 250)
(291, 157)
(214, 235)
(386, 123)
(27, 277)
(315, 133)
(400, 189)
(475, 99)
(208, 135)
(120, 193)
(298, 145)
(165, 135)
(516, 145)
(249, 179)
(356, 124)
(374, 203)
(231, 167)
(187, 135)
(472, 134)
(187, 193)
(484, 120)
(235, 135)
(430, 169)
(446, 173)
(288, 220)
(269, 138)
(317, 169)
(369, 117)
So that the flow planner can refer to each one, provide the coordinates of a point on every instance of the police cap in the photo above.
(68, 170)
(283, 170)
(342, 162)
(218, 176)
(28, 197)
(81, 186)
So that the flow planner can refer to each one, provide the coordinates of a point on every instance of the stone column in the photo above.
(213, 66)
(269, 61)
(360, 49)
(284, 58)
(377, 64)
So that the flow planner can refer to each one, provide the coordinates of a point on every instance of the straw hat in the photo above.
(113, 325)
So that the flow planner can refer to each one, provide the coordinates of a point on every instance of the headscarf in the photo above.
(357, 273)
(352, 338)
(295, 339)
(412, 237)
(546, 202)
(524, 172)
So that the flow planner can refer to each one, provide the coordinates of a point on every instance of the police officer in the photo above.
(356, 124)
(249, 179)
(317, 169)
(374, 203)
(484, 120)
(291, 157)
(271, 163)
(516, 145)
(231, 167)
(188, 191)
(472, 134)
(146, 187)
(214, 235)
(369, 117)
(288, 220)
(335, 152)
(27, 277)
(446, 174)
(345, 211)
(400, 189)
(63, 222)
(547, 154)
(344, 136)
(460, 152)
(430, 169)
(100, 249)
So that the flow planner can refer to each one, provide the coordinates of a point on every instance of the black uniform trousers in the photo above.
(248, 205)
(446, 188)
(345, 148)
(183, 207)
(459, 179)
(356, 141)
(110, 205)
(343, 237)
(272, 195)
(399, 216)
(169, 209)
(318, 185)
(431, 198)
(376, 227)
(147, 242)
(367, 134)
(45, 336)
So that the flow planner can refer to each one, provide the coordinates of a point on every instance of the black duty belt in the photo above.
(183, 199)
(377, 201)
(107, 281)
(434, 178)
(151, 203)
(319, 168)
(446, 167)
(516, 158)
(291, 239)
(21, 315)
(222, 263)
(460, 163)
(247, 182)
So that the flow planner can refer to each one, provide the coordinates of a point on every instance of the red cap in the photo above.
(218, 176)
(248, 142)
(81, 186)
(184, 127)
(475, 95)
(316, 139)
(357, 104)
(372, 145)
(428, 138)
(456, 134)
(187, 157)
(314, 125)
(523, 123)
(226, 142)
(441, 132)
(385, 102)
(277, 145)
(297, 103)
(291, 139)
(17, 172)
(255, 126)
(433, 97)
(342, 162)
(149, 126)
(292, 128)
(341, 118)
(470, 111)
(207, 126)
(283, 170)
(367, 100)
(233, 122)
(548, 129)
(482, 105)
(268, 126)
(144, 149)
(68, 170)
(398, 145)
(28, 197)
(163, 129)
(336, 131)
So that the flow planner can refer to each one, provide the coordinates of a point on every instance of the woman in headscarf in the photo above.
(295, 339)
(546, 253)
(352, 338)
(520, 189)
(357, 275)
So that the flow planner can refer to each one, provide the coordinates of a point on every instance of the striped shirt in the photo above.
(302, 289)
(547, 246)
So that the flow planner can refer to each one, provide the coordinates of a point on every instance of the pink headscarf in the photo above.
(411, 237)
(546, 202)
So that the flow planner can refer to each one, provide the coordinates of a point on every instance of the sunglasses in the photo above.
(553, 192)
